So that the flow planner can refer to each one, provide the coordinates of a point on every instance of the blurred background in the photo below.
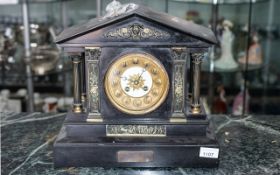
(240, 75)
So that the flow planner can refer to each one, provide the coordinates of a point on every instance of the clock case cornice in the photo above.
(166, 30)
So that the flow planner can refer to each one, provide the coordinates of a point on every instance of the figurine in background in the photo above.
(194, 16)
(255, 53)
(2, 42)
(237, 108)
(226, 61)
(4, 101)
(220, 103)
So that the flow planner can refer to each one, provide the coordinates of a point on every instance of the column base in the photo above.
(84, 101)
(195, 109)
(83, 97)
(77, 108)
(189, 97)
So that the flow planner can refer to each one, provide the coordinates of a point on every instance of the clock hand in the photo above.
(144, 70)
(125, 78)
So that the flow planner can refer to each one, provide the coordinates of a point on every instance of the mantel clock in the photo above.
(136, 76)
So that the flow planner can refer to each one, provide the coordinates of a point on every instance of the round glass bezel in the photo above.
(136, 105)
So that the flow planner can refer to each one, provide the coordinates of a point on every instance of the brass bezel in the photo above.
(147, 58)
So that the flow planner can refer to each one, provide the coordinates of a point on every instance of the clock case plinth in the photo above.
(84, 139)
(82, 144)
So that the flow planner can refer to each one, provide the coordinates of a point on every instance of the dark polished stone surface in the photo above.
(249, 145)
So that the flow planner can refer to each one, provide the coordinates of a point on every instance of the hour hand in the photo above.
(124, 78)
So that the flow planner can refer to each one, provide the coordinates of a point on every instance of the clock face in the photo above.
(136, 83)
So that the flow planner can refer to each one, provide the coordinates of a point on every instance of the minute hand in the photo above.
(144, 70)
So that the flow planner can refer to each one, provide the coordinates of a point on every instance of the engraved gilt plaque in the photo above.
(136, 130)
(135, 156)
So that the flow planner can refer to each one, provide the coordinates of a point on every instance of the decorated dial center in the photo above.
(136, 81)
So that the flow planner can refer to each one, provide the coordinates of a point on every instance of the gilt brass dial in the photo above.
(136, 83)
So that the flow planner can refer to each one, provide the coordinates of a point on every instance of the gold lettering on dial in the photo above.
(158, 81)
(135, 60)
(137, 103)
(154, 71)
(147, 99)
(117, 72)
(126, 100)
(155, 92)
(146, 64)
(118, 93)
(114, 83)
(124, 64)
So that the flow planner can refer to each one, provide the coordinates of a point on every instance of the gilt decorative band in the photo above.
(136, 130)
(92, 56)
(178, 100)
(137, 31)
(179, 55)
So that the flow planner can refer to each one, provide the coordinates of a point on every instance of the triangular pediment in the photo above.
(141, 24)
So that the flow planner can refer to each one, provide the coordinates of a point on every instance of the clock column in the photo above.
(190, 80)
(77, 104)
(196, 59)
(83, 82)
(91, 56)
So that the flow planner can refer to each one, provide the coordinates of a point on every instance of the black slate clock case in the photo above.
(95, 133)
